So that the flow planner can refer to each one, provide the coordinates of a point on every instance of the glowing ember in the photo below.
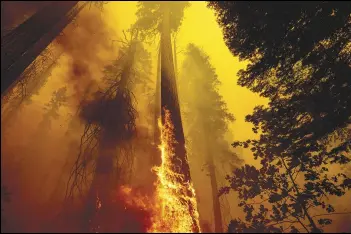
(177, 211)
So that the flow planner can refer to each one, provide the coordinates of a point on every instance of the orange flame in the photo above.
(176, 198)
(173, 208)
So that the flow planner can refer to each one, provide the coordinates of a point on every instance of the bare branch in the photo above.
(336, 213)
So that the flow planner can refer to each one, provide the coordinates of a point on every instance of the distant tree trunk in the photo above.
(175, 55)
(21, 46)
(33, 80)
(217, 214)
(170, 102)
(156, 158)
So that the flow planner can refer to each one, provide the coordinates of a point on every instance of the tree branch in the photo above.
(336, 213)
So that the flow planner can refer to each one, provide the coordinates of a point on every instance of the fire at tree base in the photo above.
(173, 207)
(176, 196)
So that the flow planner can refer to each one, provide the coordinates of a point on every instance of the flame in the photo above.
(177, 209)
(173, 207)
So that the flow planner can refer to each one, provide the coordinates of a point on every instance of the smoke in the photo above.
(87, 43)
(35, 166)
(29, 162)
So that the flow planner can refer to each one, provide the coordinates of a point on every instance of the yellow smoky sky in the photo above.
(200, 27)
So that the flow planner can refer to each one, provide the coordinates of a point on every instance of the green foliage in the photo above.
(304, 69)
(150, 16)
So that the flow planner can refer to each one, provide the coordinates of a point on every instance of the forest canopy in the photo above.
(304, 69)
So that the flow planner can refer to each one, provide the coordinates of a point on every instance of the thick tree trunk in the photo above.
(170, 102)
(28, 40)
(169, 99)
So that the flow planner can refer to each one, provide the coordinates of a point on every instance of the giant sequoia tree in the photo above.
(164, 18)
(207, 117)
(304, 69)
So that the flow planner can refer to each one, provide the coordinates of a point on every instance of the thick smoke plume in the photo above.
(87, 43)
(34, 165)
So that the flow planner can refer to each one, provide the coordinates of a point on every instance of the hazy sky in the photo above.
(199, 27)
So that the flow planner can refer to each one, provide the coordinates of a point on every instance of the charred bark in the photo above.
(170, 102)
(21, 46)
(169, 99)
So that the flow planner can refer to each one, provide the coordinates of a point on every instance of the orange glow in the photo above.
(178, 201)
(173, 208)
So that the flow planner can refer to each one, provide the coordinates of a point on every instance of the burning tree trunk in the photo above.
(170, 112)
(169, 98)
(21, 46)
